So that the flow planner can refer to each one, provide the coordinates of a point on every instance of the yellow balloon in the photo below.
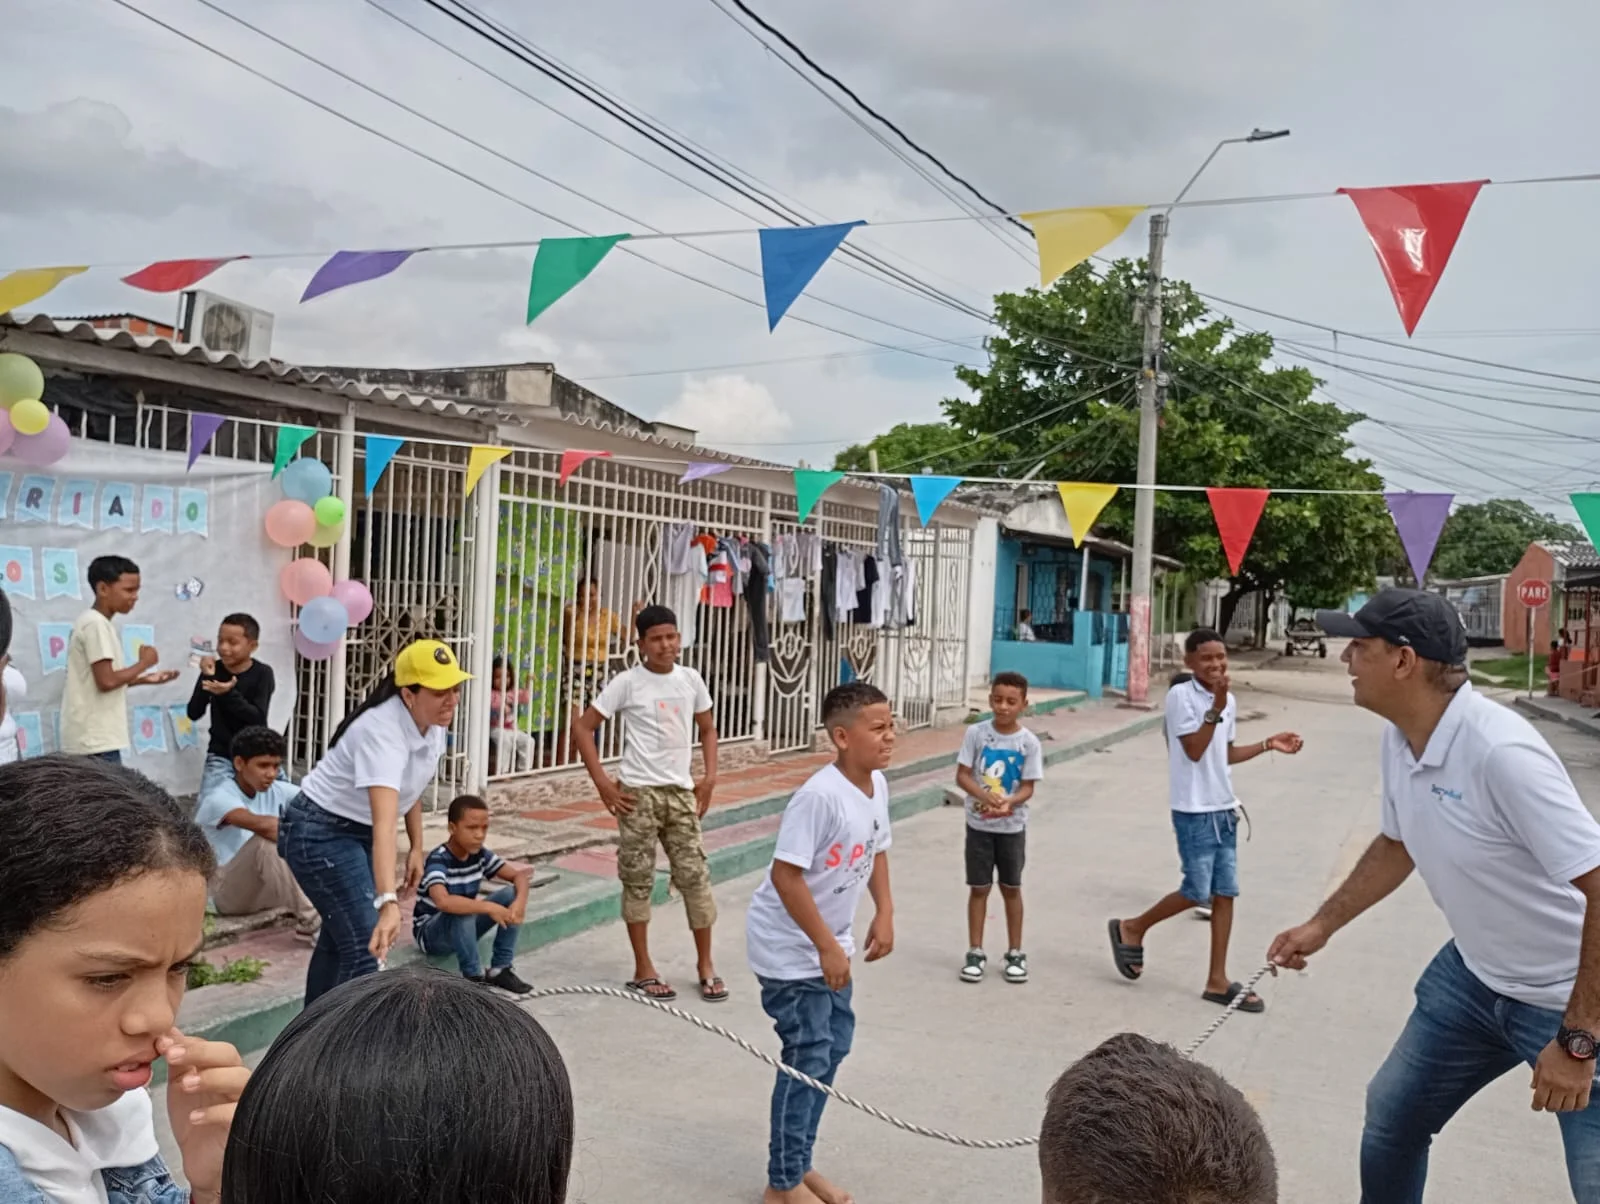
(20, 379)
(326, 536)
(30, 416)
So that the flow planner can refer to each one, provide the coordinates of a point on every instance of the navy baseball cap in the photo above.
(1411, 618)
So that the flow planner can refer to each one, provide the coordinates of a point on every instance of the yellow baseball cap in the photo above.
(429, 664)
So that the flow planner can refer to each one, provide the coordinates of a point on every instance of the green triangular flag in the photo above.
(809, 486)
(1588, 507)
(561, 264)
(289, 440)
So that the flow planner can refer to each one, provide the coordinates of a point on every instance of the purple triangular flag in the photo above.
(1419, 518)
(201, 428)
(698, 472)
(353, 267)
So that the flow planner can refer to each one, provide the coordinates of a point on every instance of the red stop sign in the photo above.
(1533, 593)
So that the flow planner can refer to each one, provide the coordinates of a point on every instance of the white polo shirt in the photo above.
(1498, 833)
(381, 748)
(1206, 784)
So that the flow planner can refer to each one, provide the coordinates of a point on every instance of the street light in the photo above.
(1150, 375)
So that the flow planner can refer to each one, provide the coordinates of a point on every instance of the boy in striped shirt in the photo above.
(450, 918)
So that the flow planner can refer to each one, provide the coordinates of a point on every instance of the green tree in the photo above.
(1490, 537)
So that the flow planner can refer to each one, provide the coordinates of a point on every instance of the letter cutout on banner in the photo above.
(1418, 519)
(353, 267)
(928, 491)
(19, 288)
(790, 257)
(170, 275)
(561, 264)
(290, 440)
(700, 471)
(380, 450)
(809, 486)
(478, 461)
(1067, 237)
(202, 429)
(1588, 507)
(573, 459)
(1083, 501)
(1237, 512)
(1413, 229)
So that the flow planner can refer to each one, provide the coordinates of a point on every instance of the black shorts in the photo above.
(995, 854)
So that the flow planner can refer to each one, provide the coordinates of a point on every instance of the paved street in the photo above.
(664, 1106)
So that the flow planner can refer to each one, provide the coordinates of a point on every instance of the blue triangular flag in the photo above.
(380, 450)
(790, 257)
(929, 491)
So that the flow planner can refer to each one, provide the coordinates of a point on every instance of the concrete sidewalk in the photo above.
(1560, 710)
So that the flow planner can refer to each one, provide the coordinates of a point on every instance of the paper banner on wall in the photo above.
(928, 491)
(380, 449)
(1588, 507)
(60, 568)
(1413, 229)
(561, 264)
(1067, 237)
(790, 257)
(202, 429)
(1237, 512)
(170, 275)
(573, 459)
(53, 641)
(183, 728)
(699, 472)
(809, 486)
(1419, 518)
(149, 729)
(1083, 501)
(290, 440)
(30, 734)
(478, 461)
(19, 288)
(345, 268)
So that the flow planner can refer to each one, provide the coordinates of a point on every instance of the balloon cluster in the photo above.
(313, 514)
(29, 431)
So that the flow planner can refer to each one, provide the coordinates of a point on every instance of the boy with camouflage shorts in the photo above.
(654, 797)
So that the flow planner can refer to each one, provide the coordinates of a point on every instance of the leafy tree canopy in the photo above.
(1490, 537)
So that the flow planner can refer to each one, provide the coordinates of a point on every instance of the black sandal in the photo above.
(713, 990)
(1129, 958)
(1253, 1004)
(644, 985)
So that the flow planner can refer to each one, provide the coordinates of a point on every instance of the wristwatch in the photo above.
(1213, 716)
(1577, 1042)
(389, 897)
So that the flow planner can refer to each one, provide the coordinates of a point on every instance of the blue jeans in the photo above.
(1208, 846)
(442, 933)
(331, 858)
(815, 1025)
(217, 771)
(1460, 1038)
(113, 758)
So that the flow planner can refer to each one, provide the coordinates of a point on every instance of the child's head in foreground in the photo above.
(659, 640)
(1136, 1122)
(1008, 697)
(860, 722)
(258, 754)
(238, 637)
(114, 581)
(468, 818)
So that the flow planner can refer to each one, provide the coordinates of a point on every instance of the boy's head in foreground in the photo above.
(258, 754)
(860, 722)
(1136, 1122)
(659, 640)
(1008, 698)
(469, 823)
(115, 583)
(238, 637)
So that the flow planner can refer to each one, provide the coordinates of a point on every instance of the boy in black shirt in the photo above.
(238, 690)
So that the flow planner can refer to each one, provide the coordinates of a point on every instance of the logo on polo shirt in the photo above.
(1442, 792)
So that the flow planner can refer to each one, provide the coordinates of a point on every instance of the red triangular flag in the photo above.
(1413, 229)
(1237, 512)
(572, 460)
(170, 275)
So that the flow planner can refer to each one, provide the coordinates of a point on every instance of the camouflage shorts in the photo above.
(667, 814)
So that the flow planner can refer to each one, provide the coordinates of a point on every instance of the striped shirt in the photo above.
(459, 876)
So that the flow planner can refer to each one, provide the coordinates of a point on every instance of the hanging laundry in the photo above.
(889, 526)
(849, 584)
(882, 594)
(902, 602)
(909, 592)
(720, 574)
(675, 543)
(792, 600)
(755, 599)
(809, 553)
(869, 576)
(683, 593)
(828, 603)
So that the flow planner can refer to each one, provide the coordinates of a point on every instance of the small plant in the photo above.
(241, 969)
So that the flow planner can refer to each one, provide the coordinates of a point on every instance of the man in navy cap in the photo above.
(1477, 803)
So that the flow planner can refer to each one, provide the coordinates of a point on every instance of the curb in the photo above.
(1531, 706)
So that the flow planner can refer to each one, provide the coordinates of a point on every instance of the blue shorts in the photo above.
(1208, 846)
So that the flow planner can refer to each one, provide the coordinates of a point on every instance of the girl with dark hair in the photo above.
(104, 910)
(415, 1087)
(338, 835)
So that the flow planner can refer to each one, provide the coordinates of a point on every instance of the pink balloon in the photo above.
(356, 598)
(305, 579)
(8, 435)
(45, 448)
(312, 650)
(290, 523)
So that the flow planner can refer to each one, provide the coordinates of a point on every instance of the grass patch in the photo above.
(241, 969)
(1511, 669)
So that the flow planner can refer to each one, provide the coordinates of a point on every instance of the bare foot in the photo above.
(796, 1195)
(826, 1191)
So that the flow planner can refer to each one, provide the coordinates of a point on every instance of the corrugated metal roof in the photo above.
(1572, 553)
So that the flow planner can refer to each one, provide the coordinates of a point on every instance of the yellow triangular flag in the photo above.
(478, 460)
(1067, 237)
(30, 284)
(1083, 503)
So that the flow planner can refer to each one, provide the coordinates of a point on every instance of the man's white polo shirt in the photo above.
(1498, 833)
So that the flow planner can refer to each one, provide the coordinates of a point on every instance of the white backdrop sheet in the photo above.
(200, 542)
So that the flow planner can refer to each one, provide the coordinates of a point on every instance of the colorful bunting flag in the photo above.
(1413, 229)
(1419, 518)
(290, 440)
(202, 427)
(790, 257)
(353, 267)
(1237, 512)
(478, 461)
(1067, 237)
(809, 486)
(19, 288)
(1588, 507)
(380, 450)
(561, 264)
(1083, 501)
(928, 491)
(573, 459)
(170, 275)
(700, 471)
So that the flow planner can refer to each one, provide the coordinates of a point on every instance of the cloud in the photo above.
(729, 408)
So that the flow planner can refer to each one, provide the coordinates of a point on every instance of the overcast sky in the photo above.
(120, 144)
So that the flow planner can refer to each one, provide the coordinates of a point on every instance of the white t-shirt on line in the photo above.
(381, 748)
(658, 711)
(834, 833)
(1498, 833)
(1207, 784)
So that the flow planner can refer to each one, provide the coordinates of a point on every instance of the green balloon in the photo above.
(20, 379)
(330, 511)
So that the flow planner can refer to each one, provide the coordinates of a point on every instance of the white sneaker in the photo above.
(1202, 913)
(973, 970)
(1016, 966)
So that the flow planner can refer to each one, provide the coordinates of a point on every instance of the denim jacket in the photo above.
(150, 1183)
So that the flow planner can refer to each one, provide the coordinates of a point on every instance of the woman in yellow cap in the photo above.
(339, 834)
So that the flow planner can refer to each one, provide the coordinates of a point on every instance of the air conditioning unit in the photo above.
(218, 324)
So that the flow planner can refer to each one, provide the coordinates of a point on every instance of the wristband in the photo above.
(384, 900)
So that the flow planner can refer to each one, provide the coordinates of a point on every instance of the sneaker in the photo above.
(1016, 966)
(506, 980)
(1203, 913)
(973, 970)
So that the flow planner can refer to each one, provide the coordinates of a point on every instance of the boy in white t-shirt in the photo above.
(1201, 721)
(654, 796)
(832, 845)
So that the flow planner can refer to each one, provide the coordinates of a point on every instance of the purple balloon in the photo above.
(355, 597)
(45, 448)
(312, 650)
